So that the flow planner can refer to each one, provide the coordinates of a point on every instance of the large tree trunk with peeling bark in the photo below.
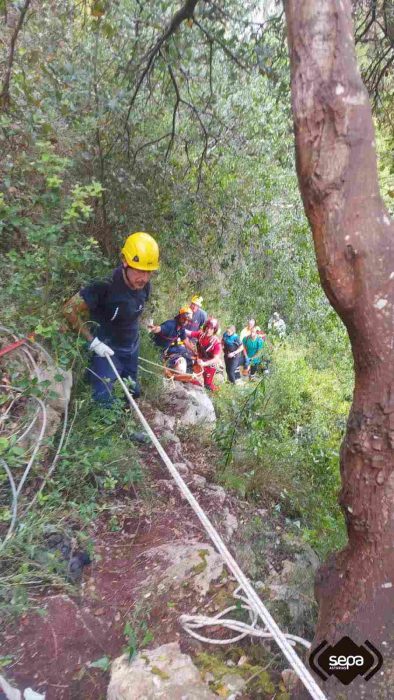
(354, 238)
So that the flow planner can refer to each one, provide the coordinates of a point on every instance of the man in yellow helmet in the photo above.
(107, 313)
(199, 315)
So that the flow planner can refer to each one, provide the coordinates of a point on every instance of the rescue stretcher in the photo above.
(196, 377)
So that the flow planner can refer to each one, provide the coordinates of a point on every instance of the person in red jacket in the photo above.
(208, 350)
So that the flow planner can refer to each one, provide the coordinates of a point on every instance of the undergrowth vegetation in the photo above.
(281, 438)
(97, 463)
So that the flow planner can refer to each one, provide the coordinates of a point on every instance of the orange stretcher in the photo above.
(195, 378)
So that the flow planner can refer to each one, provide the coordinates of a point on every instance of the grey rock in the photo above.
(60, 387)
(229, 524)
(304, 554)
(218, 492)
(199, 481)
(162, 420)
(163, 673)
(308, 557)
(182, 468)
(53, 420)
(293, 586)
(193, 406)
(56, 398)
(246, 558)
(234, 683)
(195, 562)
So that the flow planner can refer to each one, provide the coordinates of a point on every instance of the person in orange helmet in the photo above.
(170, 336)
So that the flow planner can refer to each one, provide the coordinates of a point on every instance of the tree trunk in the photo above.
(353, 237)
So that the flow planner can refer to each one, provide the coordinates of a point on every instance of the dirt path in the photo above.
(126, 583)
(52, 648)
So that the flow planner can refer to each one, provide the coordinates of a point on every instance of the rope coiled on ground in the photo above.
(16, 490)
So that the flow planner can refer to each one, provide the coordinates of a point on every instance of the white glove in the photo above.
(100, 348)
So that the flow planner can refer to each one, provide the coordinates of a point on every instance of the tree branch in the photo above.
(5, 90)
(223, 46)
(366, 25)
(147, 144)
(180, 100)
(185, 12)
(174, 113)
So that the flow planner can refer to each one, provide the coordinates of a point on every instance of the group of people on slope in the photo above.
(107, 313)
(190, 340)
(245, 349)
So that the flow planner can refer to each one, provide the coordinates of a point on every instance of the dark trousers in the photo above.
(101, 375)
(232, 368)
(254, 369)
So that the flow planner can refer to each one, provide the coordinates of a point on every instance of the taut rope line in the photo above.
(253, 599)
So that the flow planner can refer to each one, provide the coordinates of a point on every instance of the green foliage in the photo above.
(104, 664)
(79, 209)
(52, 258)
(97, 461)
(99, 457)
(137, 635)
(385, 149)
(282, 438)
(259, 681)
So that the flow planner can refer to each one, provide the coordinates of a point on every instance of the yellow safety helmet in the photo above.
(197, 300)
(141, 252)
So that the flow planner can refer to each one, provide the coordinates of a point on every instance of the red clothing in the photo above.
(208, 347)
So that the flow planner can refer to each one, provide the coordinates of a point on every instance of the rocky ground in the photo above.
(152, 563)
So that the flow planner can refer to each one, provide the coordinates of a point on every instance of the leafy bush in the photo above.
(46, 255)
(282, 438)
(98, 460)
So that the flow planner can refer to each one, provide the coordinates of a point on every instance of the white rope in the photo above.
(154, 374)
(14, 506)
(32, 366)
(253, 599)
(36, 447)
(54, 461)
(5, 414)
(157, 364)
(193, 622)
(30, 426)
